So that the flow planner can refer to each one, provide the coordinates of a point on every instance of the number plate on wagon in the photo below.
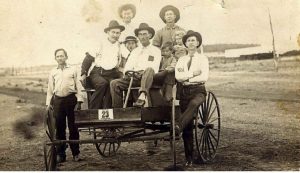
(105, 114)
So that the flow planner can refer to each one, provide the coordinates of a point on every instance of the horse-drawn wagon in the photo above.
(109, 128)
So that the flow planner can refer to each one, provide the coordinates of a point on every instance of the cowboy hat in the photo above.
(130, 38)
(125, 7)
(144, 26)
(191, 33)
(167, 8)
(113, 24)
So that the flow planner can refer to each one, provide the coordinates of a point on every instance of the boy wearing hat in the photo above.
(64, 92)
(144, 60)
(191, 72)
(169, 15)
(102, 66)
(130, 44)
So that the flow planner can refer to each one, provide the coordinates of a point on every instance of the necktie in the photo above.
(190, 62)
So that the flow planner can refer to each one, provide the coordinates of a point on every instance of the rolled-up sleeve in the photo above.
(50, 88)
(78, 85)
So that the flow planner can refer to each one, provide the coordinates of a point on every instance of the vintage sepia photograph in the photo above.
(150, 85)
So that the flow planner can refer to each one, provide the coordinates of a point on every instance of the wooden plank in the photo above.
(118, 113)
(125, 116)
(157, 114)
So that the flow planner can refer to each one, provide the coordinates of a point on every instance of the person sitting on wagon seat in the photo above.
(191, 72)
(64, 92)
(144, 60)
(102, 66)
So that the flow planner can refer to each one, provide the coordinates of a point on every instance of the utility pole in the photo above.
(275, 58)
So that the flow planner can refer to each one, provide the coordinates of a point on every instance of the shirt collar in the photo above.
(66, 66)
(196, 54)
(168, 28)
(108, 42)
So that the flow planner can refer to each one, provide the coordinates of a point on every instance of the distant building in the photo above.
(234, 53)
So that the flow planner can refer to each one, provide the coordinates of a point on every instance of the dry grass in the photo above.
(26, 127)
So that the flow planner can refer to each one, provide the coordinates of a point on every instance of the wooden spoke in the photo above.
(212, 113)
(201, 116)
(214, 120)
(107, 149)
(213, 147)
(213, 136)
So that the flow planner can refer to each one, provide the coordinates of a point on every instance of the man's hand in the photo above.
(83, 80)
(48, 107)
(197, 73)
(78, 106)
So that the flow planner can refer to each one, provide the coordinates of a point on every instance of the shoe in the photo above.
(60, 159)
(76, 158)
(188, 164)
(139, 103)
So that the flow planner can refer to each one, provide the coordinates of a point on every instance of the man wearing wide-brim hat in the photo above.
(101, 65)
(170, 16)
(144, 60)
(191, 72)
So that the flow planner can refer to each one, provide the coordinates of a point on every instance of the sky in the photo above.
(31, 30)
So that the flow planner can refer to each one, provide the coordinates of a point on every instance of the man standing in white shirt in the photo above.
(145, 60)
(191, 72)
(64, 92)
(102, 66)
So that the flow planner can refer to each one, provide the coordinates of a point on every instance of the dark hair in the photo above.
(168, 45)
(61, 49)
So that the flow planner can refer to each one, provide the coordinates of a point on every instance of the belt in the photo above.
(104, 70)
(60, 97)
(194, 84)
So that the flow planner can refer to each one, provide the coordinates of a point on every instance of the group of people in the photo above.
(172, 54)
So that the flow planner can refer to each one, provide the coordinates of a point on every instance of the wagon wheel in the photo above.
(50, 157)
(207, 128)
(108, 149)
(50, 150)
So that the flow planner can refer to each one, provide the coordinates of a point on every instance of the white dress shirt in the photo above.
(199, 63)
(107, 55)
(144, 57)
(63, 82)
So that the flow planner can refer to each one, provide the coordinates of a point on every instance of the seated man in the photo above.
(102, 66)
(144, 60)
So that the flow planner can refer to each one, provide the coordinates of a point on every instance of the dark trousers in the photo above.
(190, 99)
(148, 77)
(64, 108)
(100, 81)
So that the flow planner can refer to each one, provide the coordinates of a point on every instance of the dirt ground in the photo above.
(260, 124)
